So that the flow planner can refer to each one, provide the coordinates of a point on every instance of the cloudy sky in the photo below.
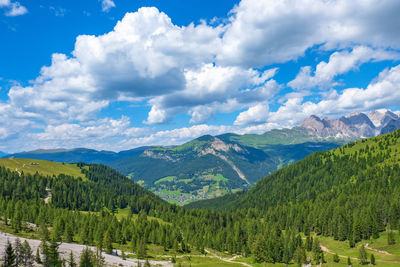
(117, 74)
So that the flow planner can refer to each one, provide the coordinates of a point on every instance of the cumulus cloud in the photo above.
(214, 88)
(380, 93)
(13, 8)
(204, 69)
(255, 114)
(265, 32)
(106, 5)
(339, 63)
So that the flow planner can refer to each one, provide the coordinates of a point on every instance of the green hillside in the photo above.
(346, 198)
(342, 201)
(198, 165)
(43, 167)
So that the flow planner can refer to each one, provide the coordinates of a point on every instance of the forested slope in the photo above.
(351, 192)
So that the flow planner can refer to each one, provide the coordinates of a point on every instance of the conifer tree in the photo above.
(349, 261)
(9, 256)
(372, 259)
(362, 255)
(107, 242)
(71, 260)
(300, 256)
(37, 257)
(18, 252)
(86, 258)
(27, 257)
(390, 238)
(141, 249)
(336, 258)
(53, 256)
(316, 251)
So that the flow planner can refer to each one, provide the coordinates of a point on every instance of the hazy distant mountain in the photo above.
(353, 126)
(68, 155)
(211, 166)
(2, 154)
(78, 155)
(382, 117)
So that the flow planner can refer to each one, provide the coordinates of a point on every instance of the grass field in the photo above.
(43, 167)
(382, 259)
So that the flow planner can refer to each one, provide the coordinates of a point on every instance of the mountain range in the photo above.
(212, 166)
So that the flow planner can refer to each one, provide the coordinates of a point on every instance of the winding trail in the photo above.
(229, 260)
(377, 250)
(325, 249)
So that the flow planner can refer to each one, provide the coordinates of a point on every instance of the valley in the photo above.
(213, 166)
(308, 211)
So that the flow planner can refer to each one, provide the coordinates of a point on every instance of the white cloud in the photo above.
(13, 8)
(178, 136)
(382, 92)
(16, 10)
(255, 114)
(339, 63)
(263, 32)
(204, 69)
(213, 88)
(106, 5)
(144, 56)
(4, 3)
(58, 11)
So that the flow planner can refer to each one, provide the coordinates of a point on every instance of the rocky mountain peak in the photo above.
(355, 124)
(382, 117)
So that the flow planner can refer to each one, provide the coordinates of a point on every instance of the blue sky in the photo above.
(117, 74)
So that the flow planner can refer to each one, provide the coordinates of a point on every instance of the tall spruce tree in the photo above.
(27, 256)
(362, 255)
(9, 256)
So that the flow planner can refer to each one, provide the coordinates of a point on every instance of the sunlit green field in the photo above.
(44, 167)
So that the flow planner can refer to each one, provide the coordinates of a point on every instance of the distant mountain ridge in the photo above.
(353, 126)
(212, 166)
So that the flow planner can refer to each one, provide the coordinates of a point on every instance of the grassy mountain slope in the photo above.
(68, 155)
(203, 168)
(43, 167)
(210, 166)
(329, 173)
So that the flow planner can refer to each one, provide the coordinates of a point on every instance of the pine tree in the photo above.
(372, 259)
(107, 242)
(336, 258)
(259, 249)
(71, 260)
(69, 233)
(362, 255)
(349, 261)
(309, 243)
(99, 258)
(9, 256)
(300, 256)
(123, 256)
(141, 249)
(27, 256)
(37, 257)
(86, 260)
(18, 252)
(316, 251)
(390, 238)
(53, 256)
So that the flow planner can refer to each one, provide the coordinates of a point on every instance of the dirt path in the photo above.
(66, 248)
(327, 250)
(377, 250)
(230, 260)
(48, 198)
